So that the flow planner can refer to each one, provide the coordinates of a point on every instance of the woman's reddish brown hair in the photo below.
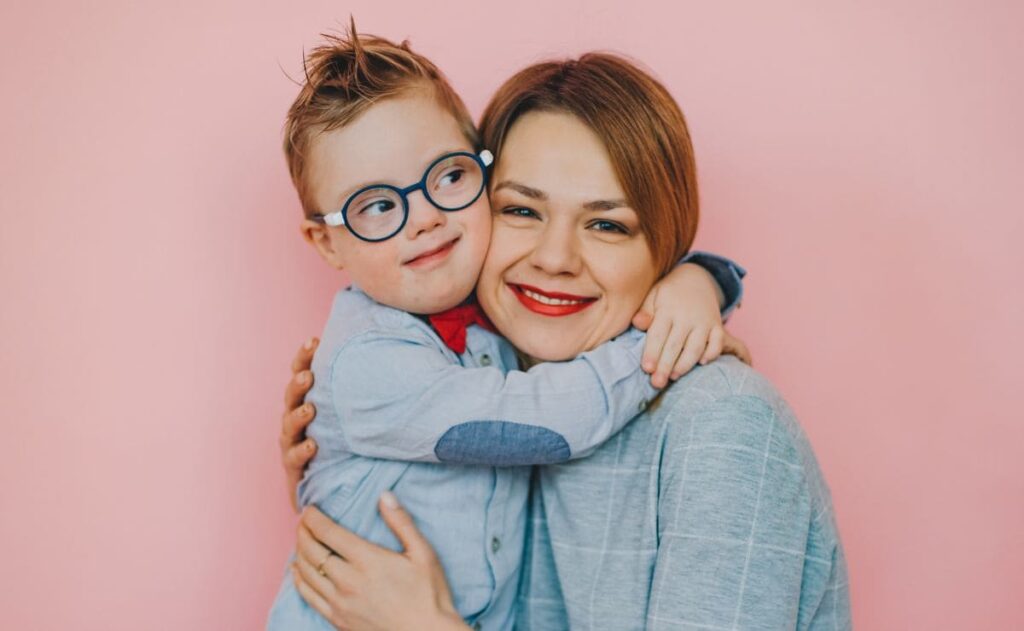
(641, 125)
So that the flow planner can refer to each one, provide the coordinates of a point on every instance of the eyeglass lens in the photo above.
(451, 184)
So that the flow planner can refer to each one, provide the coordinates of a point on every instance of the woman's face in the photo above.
(568, 266)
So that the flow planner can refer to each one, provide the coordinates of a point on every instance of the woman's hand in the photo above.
(356, 585)
(296, 449)
(683, 320)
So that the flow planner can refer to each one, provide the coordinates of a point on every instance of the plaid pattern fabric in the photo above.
(707, 512)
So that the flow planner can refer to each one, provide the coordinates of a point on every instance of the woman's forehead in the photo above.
(559, 156)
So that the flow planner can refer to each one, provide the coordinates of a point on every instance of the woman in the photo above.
(708, 510)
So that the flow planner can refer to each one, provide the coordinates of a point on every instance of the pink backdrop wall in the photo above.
(863, 160)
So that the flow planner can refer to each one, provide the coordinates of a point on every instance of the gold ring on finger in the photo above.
(320, 568)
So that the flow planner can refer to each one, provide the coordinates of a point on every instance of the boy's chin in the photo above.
(430, 305)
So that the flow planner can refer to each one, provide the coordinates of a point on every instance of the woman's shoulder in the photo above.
(731, 412)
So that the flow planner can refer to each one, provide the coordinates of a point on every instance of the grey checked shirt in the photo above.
(708, 512)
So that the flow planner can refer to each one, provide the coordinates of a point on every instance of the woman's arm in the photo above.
(737, 547)
(357, 585)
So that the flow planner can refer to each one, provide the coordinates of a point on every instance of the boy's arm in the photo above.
(401, 399)
(683, 315)
(727, 274)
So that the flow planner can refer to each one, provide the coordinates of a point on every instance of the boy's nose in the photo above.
(423, 216)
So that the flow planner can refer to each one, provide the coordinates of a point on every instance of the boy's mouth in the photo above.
(433, 256)
(549, 303)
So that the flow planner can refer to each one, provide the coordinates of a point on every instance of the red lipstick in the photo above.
(575, 304)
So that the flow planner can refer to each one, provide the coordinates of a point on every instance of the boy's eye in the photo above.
(603, 225)
(452, 176)
(376, 207)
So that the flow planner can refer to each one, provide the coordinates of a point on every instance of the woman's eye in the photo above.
(518, 211)
(609, 226)
(378, 207)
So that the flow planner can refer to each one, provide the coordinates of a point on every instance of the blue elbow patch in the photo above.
(501, 444)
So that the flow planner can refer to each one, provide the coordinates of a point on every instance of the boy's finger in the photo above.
(297, 388)
(735, 346)
(669, 354)
(303, 359)
(400, 522)
(645, 316)
(714, 349)
(655, 342)
(642, 320)
(695, 345)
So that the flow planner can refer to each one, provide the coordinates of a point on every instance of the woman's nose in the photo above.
(423, 216)
(557, 251)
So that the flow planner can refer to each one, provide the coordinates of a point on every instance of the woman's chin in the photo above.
(548, 349)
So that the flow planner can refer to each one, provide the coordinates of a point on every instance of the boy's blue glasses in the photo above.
(379, 211)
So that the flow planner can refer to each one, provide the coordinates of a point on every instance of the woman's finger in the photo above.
(344, 542)
(315, 600)
(401, 523)
(297, 388)
(293, 427)
(298, 456)
(714, 349)
(303, 359)
(674, 345)
(657, 335)
(313, 556)
(694, 347)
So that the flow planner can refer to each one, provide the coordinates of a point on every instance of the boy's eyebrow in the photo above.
(522, 189)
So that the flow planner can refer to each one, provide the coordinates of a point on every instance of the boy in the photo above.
(404, 381)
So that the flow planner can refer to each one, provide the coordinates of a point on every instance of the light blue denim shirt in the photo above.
(393, 401)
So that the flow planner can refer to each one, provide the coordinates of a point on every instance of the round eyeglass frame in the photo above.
(340, 217)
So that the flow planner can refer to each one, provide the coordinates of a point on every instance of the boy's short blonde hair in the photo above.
(345, 76)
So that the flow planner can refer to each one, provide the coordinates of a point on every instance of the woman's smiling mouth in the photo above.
(549, 303)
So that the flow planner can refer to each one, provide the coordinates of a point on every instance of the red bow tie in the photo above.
(451, 324)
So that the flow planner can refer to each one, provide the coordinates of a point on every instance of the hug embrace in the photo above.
(525, 411)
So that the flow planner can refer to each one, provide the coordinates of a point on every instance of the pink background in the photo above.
(863, 160)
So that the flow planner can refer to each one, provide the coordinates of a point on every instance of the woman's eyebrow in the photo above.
(605, 204)
(522, 189)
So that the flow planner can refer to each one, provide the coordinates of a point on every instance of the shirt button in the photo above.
(495, 545)
(642, 406)
(485, 360)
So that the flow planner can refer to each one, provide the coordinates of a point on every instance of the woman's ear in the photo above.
(326, 243)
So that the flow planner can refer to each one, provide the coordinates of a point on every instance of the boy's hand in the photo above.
(682, 317)
(296, 449)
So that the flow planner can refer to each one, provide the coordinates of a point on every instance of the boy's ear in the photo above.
(319, 236)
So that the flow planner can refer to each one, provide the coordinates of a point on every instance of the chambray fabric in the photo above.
(708, 511)
(728, 274)
(392, 401)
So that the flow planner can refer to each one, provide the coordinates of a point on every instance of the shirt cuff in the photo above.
(727, 273)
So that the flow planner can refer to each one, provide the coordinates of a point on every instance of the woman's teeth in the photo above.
(550, 301)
